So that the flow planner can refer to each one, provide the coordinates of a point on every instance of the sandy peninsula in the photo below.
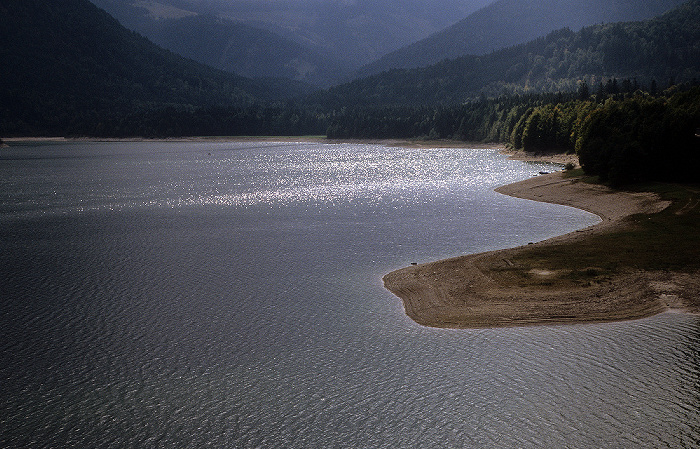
(487, 289)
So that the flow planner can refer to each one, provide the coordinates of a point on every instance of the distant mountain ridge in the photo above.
(318, 41)
(666, 49)
(66, 62)
(245, 50)
(505, 23)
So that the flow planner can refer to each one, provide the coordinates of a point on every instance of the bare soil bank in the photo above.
(511, 287)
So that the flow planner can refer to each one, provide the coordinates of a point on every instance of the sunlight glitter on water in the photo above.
(229, 295)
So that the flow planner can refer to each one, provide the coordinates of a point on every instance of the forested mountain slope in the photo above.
(505, 23)
(663, 49)
(68, 63)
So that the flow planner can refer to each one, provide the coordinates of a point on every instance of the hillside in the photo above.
(245, 50)
(66, 63)
(505, 23)
(666, 48)
(322, 42)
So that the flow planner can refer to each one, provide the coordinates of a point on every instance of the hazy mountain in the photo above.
(245, 50)
(66, 61)
(332, 38)
(509, 22)
(665, 48)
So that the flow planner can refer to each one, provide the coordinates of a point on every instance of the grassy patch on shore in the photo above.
(666, 241)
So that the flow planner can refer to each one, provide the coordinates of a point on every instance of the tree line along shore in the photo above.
(620, 134)
(621, 131)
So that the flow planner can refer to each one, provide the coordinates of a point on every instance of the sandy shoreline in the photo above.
(531, 157)
(474, 291)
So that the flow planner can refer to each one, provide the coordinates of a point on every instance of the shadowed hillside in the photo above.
(665, 49)
(68, 65)
(318, 41)
(510, 22)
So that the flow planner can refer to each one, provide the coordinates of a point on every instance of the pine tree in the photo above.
(583, 91)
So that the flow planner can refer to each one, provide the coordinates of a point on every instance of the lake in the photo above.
(229, 294)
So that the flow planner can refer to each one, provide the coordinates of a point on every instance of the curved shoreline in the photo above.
(474, 291)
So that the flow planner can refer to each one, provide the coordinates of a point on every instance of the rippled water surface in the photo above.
(229, 295)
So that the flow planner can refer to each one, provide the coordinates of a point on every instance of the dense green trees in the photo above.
(174, 121)
(642, 139)
(491, 120)
(552, 128)
(624, 137)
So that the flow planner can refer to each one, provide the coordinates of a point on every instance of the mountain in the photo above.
(665, 48)
(510, 22)
(318, 41)
(67, 62)
(245, 50)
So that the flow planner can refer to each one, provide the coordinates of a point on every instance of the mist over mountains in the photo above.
(72, 69)
(246, 50)
(505, 23)
(319, 41)
(327, 42)
(665, 49)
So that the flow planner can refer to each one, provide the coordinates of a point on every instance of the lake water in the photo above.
(228, 294)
